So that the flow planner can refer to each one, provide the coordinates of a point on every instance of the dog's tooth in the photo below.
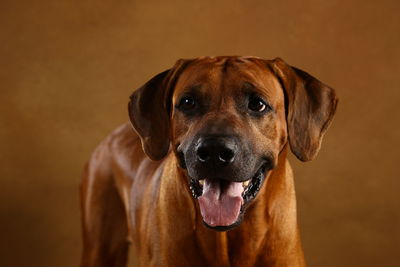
(201, 182)
(246, 183)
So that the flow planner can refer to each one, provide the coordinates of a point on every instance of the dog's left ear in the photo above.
(149, 111)
(310, 106)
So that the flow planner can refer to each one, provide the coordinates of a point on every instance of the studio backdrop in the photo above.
(67, 69)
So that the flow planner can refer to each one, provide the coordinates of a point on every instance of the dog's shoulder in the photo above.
(124, 146)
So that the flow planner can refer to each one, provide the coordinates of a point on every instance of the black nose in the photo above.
(216, 150)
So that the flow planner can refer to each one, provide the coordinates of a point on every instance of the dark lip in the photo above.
(248, 195)
(229, 227)
(255, 184)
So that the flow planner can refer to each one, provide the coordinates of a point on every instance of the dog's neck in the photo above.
(269, 224)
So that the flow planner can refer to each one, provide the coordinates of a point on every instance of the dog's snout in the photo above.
(216, 150)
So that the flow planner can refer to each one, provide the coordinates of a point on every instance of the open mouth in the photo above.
(222, 202)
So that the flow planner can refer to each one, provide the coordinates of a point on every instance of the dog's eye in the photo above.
(258, 105)
(187, 103)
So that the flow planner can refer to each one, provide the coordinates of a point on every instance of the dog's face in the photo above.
(228, 127)
(227, 119)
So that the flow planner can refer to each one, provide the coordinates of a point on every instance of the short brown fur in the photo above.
(128, 198)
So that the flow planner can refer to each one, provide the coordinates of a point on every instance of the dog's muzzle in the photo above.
(224, 176)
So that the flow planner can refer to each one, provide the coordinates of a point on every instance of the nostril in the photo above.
(202, 154)
(226, 156)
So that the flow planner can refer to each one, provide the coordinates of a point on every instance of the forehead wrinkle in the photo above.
(262, 80)
(212, 69)
(191, 78)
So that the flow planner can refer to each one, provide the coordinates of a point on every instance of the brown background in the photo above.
(68, 67)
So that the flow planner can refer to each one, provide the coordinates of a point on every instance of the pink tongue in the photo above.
(220, 203)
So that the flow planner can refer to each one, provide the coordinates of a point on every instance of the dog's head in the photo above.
(226, 120)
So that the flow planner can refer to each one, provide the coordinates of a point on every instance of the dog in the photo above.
(202, 179)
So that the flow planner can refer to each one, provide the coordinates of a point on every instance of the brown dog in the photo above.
(216, 130)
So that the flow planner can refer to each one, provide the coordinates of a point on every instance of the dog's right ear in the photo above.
(149, 111)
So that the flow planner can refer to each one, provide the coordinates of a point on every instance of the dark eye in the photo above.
(187, 103)
(257, 104)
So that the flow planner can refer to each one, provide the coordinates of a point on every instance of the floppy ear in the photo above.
(149, 111)
(310, 106)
